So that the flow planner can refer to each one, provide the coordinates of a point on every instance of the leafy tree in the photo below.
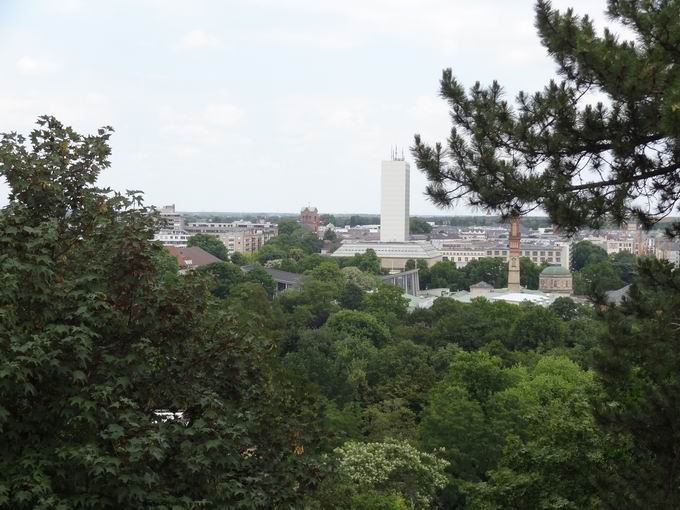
(584, 164)
(122, 387)
(419, 226)
(258, 275)
(387, 303)
(329, 218)
(584, 253)
(565, 308)
(367, 262)
(410, 265)
(625, 266)
(317, 360)
(445, 275)
(403, 371)
(352, 296)
(529, 273)
(389, 467)
(238, 258)
(639, 367)
(288, 227)
(554, 447)
(224, 276)
(490, 270)
(359, 325)
(537, 328)
(209, 243)
(387, 419)
(330, 235)
(363, 280)
(595, 279)
(329, 273)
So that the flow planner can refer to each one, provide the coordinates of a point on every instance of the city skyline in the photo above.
(260, 106)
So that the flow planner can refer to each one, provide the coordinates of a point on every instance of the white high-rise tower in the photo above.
(394, 201)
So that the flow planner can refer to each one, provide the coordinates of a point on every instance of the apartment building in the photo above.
(242, 241)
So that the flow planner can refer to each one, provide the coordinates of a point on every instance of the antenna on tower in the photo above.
(402, 153)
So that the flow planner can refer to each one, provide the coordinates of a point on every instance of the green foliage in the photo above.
(376, 501)
(122, 386)
(364, 280)
(391, 467)
(359, 325)
(238, 259)
(538, 327)
(367, 262)
(352, 296)
(387, 303)
(419, 226)
(565, 308)
(595, 279)
(444, 275)
(292, 242)
(529, 273)
(639, 367)
(584, 253)
(224, 276)
(490, 270)
(553, 451)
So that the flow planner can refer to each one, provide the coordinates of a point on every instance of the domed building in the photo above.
(555, 279)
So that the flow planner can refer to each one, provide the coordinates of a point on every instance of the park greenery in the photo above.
(125, 384)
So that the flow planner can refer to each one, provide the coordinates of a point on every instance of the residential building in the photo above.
(667, 250)
(242, 241)
(172, 237)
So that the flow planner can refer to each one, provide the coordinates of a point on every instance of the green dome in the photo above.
(555, 271)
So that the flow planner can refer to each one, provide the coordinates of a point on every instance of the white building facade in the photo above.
(394, 201)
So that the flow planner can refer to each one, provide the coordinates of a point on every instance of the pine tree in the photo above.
(584, 164)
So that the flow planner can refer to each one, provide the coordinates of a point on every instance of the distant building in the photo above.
(555, 279)
(310, 219)
(172, 237)
(283, 279)
(191, 257)
(242, 241)
(394, 201)
(667, 250)
(393, 256)
(171, 219)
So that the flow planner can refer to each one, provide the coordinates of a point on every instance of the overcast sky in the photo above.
(261, 105)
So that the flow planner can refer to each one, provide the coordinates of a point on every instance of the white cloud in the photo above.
(213, 125)
(198, 39)
(328, 39)
(32, 65)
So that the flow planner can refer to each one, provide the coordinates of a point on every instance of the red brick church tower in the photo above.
(310, 219)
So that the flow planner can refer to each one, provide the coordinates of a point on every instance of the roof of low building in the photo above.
(192, 256)
(616, 297)
(555, 271)
(481, 285)
(276, 274)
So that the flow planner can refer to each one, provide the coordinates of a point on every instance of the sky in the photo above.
(261, 105)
